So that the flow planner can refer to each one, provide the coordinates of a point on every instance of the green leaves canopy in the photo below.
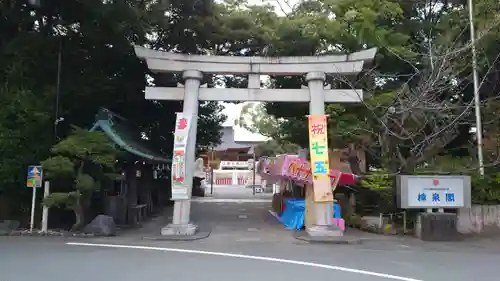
(99, 69)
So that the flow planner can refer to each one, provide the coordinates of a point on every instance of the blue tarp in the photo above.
(294, 213)
(336, 211)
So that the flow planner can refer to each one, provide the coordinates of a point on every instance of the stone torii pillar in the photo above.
(193, 66)
(323, 211)
(181, 224)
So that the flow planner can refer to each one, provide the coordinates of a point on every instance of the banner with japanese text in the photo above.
(178, 169)
(318, 150)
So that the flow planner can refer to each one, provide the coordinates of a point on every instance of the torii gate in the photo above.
(193, 67)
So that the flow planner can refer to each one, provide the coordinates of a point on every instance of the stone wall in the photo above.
(479, 219)
(234, 177)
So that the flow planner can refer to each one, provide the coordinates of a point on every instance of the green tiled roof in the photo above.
(126, 136)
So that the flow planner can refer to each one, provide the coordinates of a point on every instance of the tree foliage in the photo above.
(418, 92)
(418, 105)
(254, 117)
(98, 69)
(79, 165)
(272, 148)
(418, 102)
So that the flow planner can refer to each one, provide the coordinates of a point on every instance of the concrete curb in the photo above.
(200, 234)
(39, 233)
(342, 240)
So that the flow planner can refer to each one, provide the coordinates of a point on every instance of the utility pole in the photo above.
(57, 119)
(253, 171)
(212, 172)
(58, 89)
(477, 101)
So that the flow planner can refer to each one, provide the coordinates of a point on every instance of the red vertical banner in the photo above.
(178, 169)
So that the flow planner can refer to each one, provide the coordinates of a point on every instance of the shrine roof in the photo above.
(126, 136)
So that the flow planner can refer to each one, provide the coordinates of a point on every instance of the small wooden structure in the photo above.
(274, 170)
(144, 184)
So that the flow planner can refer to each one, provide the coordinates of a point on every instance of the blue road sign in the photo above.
(35, 174)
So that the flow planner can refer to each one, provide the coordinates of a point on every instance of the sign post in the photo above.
(434, 192)
(430, 193)
(34, 181)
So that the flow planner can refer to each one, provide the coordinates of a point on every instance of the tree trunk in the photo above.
(395, 169)
(79, 218)
(353, 160)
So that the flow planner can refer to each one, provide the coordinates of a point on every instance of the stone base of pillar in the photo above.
(179, 229)
(324, 231)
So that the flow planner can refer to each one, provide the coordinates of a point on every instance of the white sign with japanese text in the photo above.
(425, 192)
(234, 164)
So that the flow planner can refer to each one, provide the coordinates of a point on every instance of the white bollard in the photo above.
(45, 211)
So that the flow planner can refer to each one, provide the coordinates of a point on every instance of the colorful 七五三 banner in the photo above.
(318, 149)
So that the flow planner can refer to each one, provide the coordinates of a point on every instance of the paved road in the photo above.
(245, 244)
(25, 258)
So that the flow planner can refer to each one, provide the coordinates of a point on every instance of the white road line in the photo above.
(318, 265)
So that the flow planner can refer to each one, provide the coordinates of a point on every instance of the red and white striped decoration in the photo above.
(242, 181)
(224, 181)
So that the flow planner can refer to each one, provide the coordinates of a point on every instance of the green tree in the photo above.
(99, 69)
(418, 91)
(254, 118)
(23, 139)
(272, 148)
(80, 164)
(310, 29)
(210, 123)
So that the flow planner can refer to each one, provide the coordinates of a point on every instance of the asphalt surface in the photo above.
(29, 258)
(246, 243)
